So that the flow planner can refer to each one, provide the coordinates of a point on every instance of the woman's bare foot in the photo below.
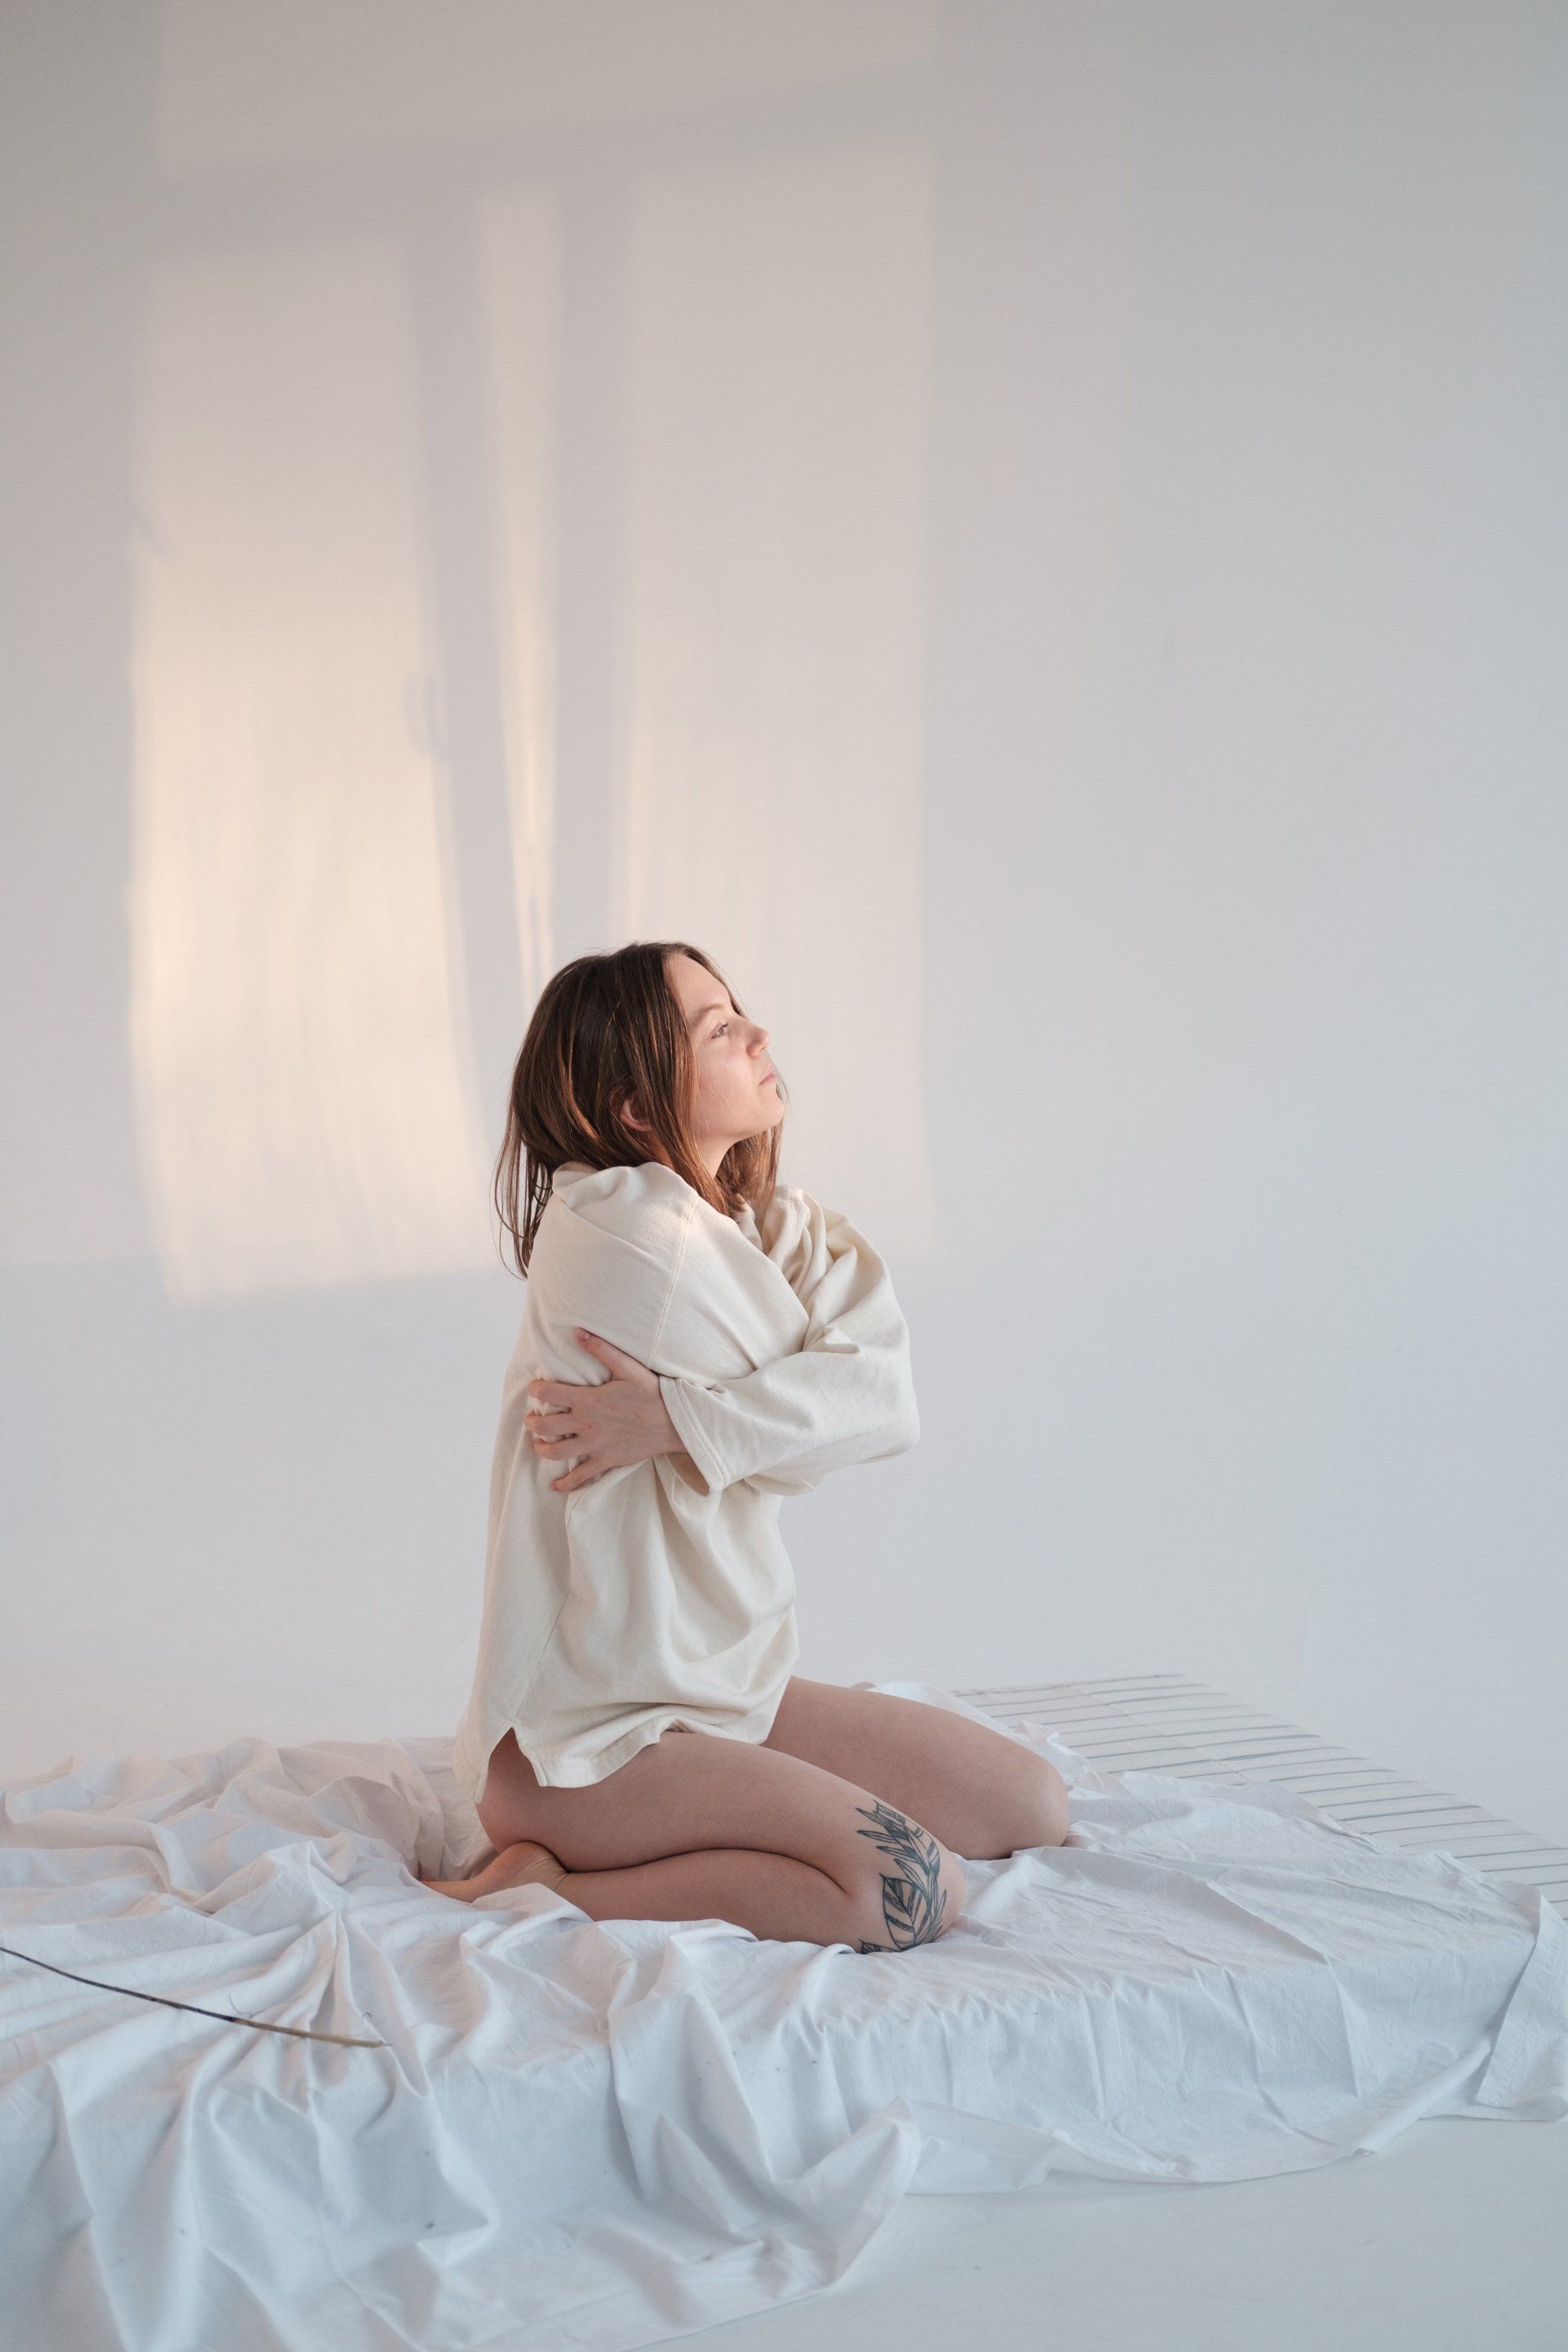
(525, 1863)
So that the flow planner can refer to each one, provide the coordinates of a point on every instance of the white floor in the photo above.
(1450, 2239)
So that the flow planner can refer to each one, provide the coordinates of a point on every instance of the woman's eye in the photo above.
(720, 1029)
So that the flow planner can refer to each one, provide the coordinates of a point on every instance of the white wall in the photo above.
(1035, 533)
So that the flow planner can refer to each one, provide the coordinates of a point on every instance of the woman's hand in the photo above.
(610, 1422)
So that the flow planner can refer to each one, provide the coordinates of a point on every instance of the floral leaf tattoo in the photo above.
(912, 1902)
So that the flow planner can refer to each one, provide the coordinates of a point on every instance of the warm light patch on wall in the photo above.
(776, 587)
(307, 1111)
(519, 275)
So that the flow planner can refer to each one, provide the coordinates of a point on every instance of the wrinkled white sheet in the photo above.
(603, 2135)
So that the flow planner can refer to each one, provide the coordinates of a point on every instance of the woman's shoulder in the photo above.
(608, 1250)
(796, 1231)
(650, 1205)
(786, 1207)
(581, 1184)
(641, 1202)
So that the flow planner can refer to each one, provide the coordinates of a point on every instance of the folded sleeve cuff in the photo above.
(681, 1403)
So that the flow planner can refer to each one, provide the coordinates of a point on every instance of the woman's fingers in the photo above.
(559, 1392)
(622, 1366)
(612, 1422)
(564, 1442)
(617, 1363)
(550, 1426)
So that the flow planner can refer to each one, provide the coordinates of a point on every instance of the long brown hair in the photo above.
(605, 1027)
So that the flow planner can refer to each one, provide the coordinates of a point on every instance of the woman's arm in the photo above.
(846, 1395)
(618, 1420)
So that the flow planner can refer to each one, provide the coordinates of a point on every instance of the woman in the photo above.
(697, 1342)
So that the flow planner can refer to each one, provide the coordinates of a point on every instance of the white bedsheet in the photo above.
(603, 2135)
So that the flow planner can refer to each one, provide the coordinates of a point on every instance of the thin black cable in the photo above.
(224, 2017)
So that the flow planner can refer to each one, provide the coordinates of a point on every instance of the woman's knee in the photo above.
(1032, 1810)
(1025, 1806)
(908, 1888)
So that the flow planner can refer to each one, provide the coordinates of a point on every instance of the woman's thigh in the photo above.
(981, 1793)
(694, 1790)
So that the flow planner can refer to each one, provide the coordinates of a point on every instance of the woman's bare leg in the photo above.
(774, 1895)
(698, 1827)
(982, 1794)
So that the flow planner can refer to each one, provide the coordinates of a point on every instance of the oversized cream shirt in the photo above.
(661, 1594)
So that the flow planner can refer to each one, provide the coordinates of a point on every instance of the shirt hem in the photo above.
(566, 1766)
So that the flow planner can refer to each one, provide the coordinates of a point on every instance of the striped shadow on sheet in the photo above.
(1165, 1723)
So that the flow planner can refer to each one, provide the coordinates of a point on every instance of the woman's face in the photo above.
(737, 1091)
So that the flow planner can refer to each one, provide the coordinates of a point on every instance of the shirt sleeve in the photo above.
(846, 1395)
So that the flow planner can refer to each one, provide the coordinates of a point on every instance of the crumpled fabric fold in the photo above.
(588, 2136)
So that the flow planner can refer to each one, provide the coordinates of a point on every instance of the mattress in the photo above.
(1258, 1954)
(1185, 1730)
